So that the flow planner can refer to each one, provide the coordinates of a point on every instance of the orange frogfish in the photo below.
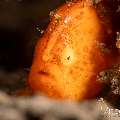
(75, 47)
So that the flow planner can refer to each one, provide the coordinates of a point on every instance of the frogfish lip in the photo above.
(45, 73)
(40, 78)
(45, 83)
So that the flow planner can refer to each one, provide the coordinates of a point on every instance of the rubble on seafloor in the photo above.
(43, 108)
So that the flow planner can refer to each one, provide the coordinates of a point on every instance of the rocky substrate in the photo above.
(42, 108)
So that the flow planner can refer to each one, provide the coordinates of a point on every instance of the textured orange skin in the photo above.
(68, 57)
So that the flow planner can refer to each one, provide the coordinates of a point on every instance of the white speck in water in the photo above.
(42, 31)
(118, 40)
(52, 13)
(103, 47)
(67, 19)
(39, 29)
(95, 1)
(69, 2)
(118, 35)
(118, 10)
(27, 69)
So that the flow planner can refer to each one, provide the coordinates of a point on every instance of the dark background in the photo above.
(21, 22)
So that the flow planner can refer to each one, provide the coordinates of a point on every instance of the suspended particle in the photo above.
(69, 2)
(118, 40)
(118, 35)
(38, 29)
(51, 14)
(103, 47)
(42, 31)
(118, 9)
(96, 1)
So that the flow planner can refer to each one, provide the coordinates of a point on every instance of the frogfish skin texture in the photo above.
(75, 47)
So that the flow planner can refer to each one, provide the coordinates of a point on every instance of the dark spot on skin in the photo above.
(80, 15)
(47, 74)
(43, 72)
(68, 58)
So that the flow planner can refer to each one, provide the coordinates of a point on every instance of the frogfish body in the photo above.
(74, 49)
